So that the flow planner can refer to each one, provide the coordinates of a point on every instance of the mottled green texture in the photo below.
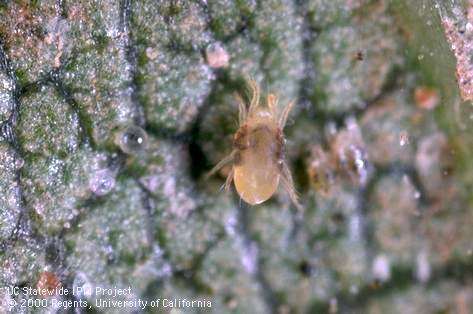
(446, 297)
(325, 13)
(353, 60)
(110, 245)
(235, 289)
(174, 80)
(21, 262)
(96, 75)
(396, 215)
(79, 79)
(32, 34)
(9, 196)
(277, 30)
(55, 187)
(6, 101)
(48, 126)
(228, 16)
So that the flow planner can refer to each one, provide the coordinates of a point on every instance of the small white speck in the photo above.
(249, 257)
(359, 163)
(354, 227)
(381, 268)
(403, 138)
(230, 225)
(422, 267)
(354, 289)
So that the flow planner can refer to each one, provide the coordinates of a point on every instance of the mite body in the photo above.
(257, 159)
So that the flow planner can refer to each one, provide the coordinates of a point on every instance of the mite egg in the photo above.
(321, 170)
(257, 160)
(132, 140)
(350, 154)
(217, 56)
(102, 181)
(48, 281)
(345, 158)
(426, 98)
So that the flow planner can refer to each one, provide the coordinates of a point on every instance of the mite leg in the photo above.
(273, 104)
(241, 109)
(228, 181)
(285, 114)
(255, 96)
(288, 184)
(222, 163)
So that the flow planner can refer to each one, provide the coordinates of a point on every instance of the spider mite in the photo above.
(257, 160)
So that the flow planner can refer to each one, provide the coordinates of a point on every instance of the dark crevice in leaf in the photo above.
(24, 228)
(85, 120)
(189, 275)
(132, 59)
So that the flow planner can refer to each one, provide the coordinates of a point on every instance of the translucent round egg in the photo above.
(132, 140)
(102, 181)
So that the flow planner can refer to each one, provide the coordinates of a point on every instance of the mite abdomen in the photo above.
(256, 185)
(257, 174)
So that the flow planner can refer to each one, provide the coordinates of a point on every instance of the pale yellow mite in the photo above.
(257, 158)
